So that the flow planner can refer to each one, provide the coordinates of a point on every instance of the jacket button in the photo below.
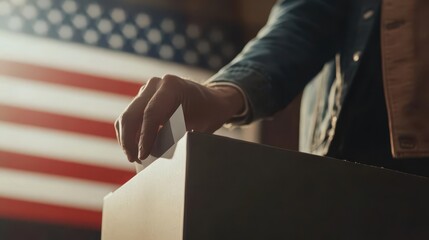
(356, 56)
(368, 14)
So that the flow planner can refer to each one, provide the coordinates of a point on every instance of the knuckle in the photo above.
(168, 77)
(172, 82)
(142, 88)
(117, 123)
(126, 116)
(152, 81)
(125, 119)
(118, 131)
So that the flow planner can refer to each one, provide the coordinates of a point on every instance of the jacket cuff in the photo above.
(254, 84)
(238, 119)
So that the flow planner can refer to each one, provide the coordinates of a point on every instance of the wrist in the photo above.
(234, 99)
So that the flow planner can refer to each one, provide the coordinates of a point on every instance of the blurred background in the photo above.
(69, 67)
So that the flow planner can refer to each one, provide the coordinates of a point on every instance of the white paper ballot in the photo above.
(173, 130)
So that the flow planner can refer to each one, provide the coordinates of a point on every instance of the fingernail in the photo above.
(128, 156)
(141, 153)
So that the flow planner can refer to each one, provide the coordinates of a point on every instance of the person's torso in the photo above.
(343, 109)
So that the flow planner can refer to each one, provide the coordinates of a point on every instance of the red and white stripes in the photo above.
(58, 101)
(57, 147)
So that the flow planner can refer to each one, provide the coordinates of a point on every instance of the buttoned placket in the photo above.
(339, 90)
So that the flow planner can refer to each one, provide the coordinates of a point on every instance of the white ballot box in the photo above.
(217, 188)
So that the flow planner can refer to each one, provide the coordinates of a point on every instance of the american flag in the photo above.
(67, 70)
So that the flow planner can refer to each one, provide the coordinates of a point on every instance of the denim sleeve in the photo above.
(299, 37)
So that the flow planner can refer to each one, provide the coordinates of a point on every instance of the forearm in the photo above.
(291, 49)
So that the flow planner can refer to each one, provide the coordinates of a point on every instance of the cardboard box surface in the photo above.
(219, 188)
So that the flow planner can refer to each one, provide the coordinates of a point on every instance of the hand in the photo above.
(205, 110)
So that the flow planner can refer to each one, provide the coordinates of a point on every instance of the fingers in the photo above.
(159, 109)
(128, 125)
(137, 127)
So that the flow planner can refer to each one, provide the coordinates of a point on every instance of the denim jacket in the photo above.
(316, 46)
